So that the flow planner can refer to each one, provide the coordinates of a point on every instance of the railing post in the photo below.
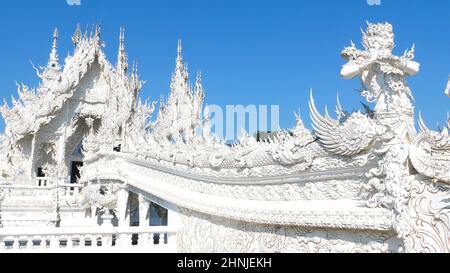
(69, 242)
(16, 243)
(54, 241)
(121, 240)
(82, 242)
(43, 243)
(76, 192)
(29, 242)
(144, 239)
(172, 241)
(96, 240)
(107, 240)
(90, 238)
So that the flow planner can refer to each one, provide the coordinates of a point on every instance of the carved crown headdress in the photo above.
(378, 36)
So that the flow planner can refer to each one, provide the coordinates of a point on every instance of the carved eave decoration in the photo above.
(430, 153)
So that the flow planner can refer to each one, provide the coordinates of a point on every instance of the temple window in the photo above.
(75, 172)
(158, 217)
(40, 173)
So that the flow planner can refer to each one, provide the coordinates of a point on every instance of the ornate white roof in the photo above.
(36, 108)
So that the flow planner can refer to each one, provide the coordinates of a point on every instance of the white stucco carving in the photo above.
(360, 182)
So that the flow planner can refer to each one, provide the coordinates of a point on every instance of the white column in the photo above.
(61, 158)
(144, 206)
(122, 207)
(122, 217)
(173, 221)
(143, 220)
(94, 215)
(32, 156)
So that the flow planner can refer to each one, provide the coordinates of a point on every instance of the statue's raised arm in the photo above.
(378, 42)
(383, 76)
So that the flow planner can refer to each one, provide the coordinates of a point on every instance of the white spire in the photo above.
(97, 37)
(77, 36)
(54, 59)
(198, 80)
(180, 70)
(180, 51)
(180, 116)
(199, 96)
(53, 69)
(135, 81)
(98, 31)
(199, 93)
(122, 58)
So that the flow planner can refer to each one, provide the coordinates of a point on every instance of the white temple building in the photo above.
(85, 168)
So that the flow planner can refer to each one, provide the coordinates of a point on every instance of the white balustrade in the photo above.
(71, 190)
(42, 182)
(111, 239)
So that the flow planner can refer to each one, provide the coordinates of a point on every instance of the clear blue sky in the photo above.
(249, 51)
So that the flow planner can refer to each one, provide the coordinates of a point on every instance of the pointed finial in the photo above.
(198, 84)
(122, 36)
(97, 36)
(199, 76)
(98, 30)
(298, 119)
(53, 61)
(55, 39)
(55, 34)
(180, 50)
(122, 58)
(135, 69)
(77, 36)
(136, 82)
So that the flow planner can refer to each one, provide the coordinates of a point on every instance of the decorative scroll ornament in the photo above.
(347, 137)
(290, 150)
(390, 183)
(430, 217)
(430, 153)
(103, 196)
